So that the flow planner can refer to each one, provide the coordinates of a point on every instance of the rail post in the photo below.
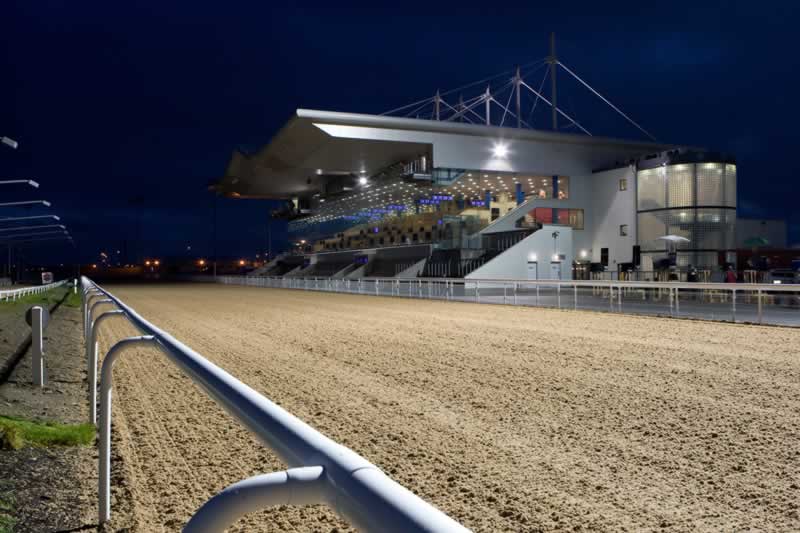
(91, 360)
(760, 310)
(37, 347)
(575, 296)
(303, 485)
(104, 457)
(558, 295)
(515, 293)
(733, 303)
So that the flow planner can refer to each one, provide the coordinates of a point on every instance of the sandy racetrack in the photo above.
(508, 419)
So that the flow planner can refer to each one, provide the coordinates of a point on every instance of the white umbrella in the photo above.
(673, 238)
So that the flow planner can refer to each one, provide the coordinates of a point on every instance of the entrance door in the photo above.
(555, 270)
(533, 270)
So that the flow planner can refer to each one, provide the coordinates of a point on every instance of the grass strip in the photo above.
(16, 433)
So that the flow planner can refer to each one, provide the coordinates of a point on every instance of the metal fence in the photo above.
(15, 294)
(321, 470)
(750, 303)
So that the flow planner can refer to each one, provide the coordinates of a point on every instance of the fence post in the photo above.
(37, 347)
(104, 456)
(733, 302)
(760, 310)
(677, 301)
(477, 291)
(575, 295)
(558, 295)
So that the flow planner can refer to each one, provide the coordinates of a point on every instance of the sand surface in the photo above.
(508, 419)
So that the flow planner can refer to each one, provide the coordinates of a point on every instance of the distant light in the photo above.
(319, 172)
(156, 262)
(532, 258)
(776, 282)
(500, 150)
(241, 262)
(94, 265)
(302, 241)
(584, 253)
(555, 257)
(363, 171)
(362, 180)
(201, 262)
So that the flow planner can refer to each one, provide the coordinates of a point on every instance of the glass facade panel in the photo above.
(730, 185)
(714, 229)
(710, 184)
(650, 189)
(651, 226)
(679, 185)
(563, 187)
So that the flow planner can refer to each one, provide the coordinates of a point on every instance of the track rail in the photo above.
(321, 470)
(728, 302)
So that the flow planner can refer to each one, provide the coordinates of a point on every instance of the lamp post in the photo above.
(32, 183)
(37, 217)
(26, 202)
(11, 143)
(26, 228)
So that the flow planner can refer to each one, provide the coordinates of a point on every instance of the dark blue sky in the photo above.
(114, 100)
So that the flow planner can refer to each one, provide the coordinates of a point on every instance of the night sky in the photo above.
(125, 111)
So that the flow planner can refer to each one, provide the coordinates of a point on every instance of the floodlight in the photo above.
(500, 150)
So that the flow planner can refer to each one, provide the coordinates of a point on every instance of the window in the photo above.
(623, 184)
(623, 230)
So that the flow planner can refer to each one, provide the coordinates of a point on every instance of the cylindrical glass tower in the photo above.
(695, 200)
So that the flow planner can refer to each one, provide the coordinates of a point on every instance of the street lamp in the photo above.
(27, 202)
(16, 219)
(32, 183)
(13, 238)
(44, 226)
(11, 143)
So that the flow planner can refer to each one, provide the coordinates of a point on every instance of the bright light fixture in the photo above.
(584, 254)
(555, 257)
(362, 180)
(500, 150)
(532, 258)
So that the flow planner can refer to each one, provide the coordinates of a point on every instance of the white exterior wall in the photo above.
(610, 209)
(513, 263)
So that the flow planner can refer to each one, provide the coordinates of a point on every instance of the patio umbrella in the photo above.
(756, 242)
(673, 238)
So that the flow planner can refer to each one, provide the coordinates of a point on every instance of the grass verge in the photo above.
(73, 299)
(45, 299)
(16, 433)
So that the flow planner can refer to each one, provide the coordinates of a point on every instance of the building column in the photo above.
(555, 197)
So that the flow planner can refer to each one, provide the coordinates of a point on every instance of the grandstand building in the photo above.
(459, 193)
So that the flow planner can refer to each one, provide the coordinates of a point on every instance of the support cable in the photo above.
(615, 108)
(546, 101)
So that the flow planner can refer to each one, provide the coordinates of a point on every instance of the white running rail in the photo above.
(321, 470)
(15, 294)
(734, 302)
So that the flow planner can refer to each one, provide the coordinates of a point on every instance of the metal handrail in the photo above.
(14, 294)
(568, 283)
(612, 291)
(323, 471)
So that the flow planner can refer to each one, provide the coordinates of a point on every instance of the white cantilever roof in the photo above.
(314, 146)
